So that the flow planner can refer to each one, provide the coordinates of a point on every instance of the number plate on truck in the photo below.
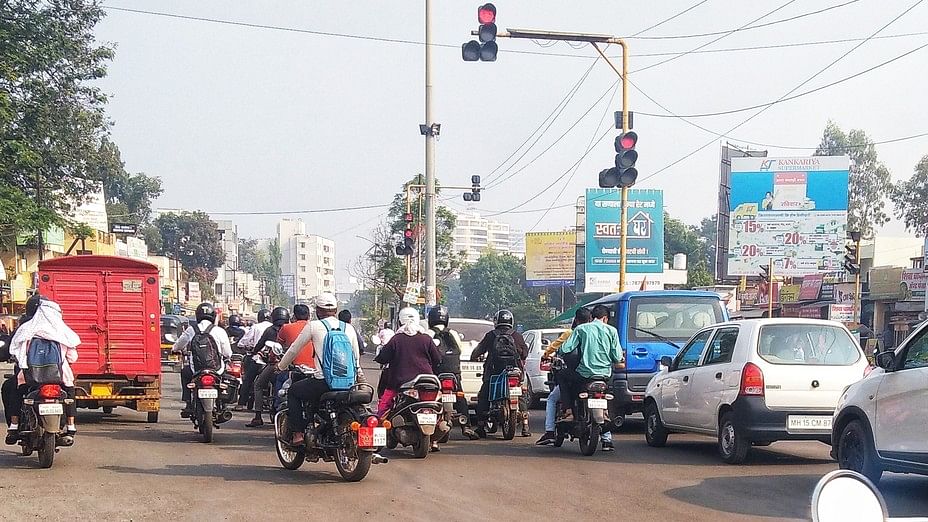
(808, 422)
(51, 409)
(208, 393)
(101, 390)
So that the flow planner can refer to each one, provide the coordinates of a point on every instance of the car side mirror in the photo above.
(847, 495)
(886, 360)
(667, 361)
(545, 343)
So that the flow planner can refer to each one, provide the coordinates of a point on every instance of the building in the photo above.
(227, 284)
(474, 235)
(307, 261)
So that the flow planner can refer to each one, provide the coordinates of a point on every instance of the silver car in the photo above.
(536, 375)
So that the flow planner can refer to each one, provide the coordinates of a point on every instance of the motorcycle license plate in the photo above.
(208, 393)
(51, 409)
(448, 397)
(597, 404)
(515, 392)
(371, 437)
(427, 418)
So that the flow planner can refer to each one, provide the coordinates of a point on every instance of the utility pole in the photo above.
(430, 130)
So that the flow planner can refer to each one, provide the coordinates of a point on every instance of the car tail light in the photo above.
(50, 391)
(447, 385)
(428, 395)
(752, 381)
(372, 421)
(514, 381)
(207, 380)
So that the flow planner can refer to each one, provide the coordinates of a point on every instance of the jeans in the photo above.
(186, 375)
(551, 412)
(308, 391)
(252, 369)
(264, 378)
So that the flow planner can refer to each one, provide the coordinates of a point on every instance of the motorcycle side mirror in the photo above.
(545, 343)
(847, 495)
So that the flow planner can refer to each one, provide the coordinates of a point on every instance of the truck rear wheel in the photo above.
(107, 410)
(152, 417)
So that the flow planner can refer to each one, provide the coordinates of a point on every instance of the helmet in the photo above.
(408, 315)
(263, 315)
(205, 311)
(32, 304)
(280, 316)
(438, 315)
(235, 320)
(504, 317)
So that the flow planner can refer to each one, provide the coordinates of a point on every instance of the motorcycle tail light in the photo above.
(428, 395)
(207, 380)
(514, 382)
(447, 385)
(584, 395)
(372, 421)
(412, 393)
(49, 391)
(545, 365)
(598, 395)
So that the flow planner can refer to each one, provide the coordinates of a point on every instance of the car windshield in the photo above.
(470, 331)
(674, 318)
(807, 344)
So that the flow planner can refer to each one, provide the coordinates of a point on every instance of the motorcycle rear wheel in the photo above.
(47, 451)
(589, 439)
(206, 428)
(510, 421)
(422, 447)
(352, 464)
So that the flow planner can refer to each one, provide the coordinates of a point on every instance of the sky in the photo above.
(239, 118)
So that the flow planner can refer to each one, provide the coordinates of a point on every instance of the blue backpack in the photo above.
(337, 358)
(44, 360)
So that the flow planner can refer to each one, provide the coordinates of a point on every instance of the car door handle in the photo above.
(641, 352)
(686, 378)
(718, 376)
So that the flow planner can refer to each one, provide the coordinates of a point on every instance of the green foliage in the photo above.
(446, 262)
(698, 243)
(19, 213)
(264, 264)
(910, 197)
(870, 182)
(128, 196)
(494, 282)
(51, 109)
(82, 231)
(192, 238)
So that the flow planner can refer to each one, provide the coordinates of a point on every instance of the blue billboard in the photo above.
(645, 236)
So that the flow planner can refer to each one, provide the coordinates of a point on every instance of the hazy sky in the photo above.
(238, 118)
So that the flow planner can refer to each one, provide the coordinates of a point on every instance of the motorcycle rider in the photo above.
(450, 342)
(205, 317)
(247, 343)
(345, 317)
(10, 389)
(600, 352)
(496, 363)
(312, 387)
(235, 330)
(280, 317)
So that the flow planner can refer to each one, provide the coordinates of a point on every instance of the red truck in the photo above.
(113, 305)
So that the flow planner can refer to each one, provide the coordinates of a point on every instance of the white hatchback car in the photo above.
(881, 423)
(754, 382)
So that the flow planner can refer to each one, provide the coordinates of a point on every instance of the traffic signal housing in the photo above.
(474, 194)
(851, 259)
(625, 158)
(485, 49)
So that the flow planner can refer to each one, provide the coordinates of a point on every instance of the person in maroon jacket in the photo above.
(408, 353)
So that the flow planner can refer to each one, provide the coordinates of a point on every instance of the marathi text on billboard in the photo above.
(792, 211)
(550, 258)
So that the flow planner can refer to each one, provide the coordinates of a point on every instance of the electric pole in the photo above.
(430, 130)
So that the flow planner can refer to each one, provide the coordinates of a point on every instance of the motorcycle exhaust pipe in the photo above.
(225, 416)
(379, 459)
(463, 420)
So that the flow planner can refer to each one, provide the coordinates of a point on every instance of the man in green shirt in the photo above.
(600, 352)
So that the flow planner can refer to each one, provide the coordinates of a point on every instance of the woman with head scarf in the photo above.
(46, 323)
(409, 352)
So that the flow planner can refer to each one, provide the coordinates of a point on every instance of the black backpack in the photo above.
(504, 348)
(204, 349)
(450, 353)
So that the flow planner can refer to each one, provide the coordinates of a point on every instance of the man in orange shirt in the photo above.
(290, 332)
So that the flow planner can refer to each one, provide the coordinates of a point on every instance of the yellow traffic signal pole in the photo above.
(770, 291)
(858, 312)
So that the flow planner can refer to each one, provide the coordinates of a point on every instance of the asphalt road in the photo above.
(122, 468)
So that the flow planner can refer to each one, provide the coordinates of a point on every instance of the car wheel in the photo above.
(534, 399)
(733, 444)
(856, 452)
(655, 432)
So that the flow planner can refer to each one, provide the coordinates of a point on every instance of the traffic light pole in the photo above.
(857, 308)
(770, 291)
(430, 135)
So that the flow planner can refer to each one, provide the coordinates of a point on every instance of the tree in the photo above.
(680, 238)
(870, 182)
(194, 239)
(264, 264)
(128, 196)
(708, 235)
(51, 109)
(447, 261)
(909, 198)
(494, 282)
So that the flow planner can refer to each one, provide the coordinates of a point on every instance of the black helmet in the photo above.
(438, 315)
(235, 320)
(280, 316)
(504, 317)
(32, 304)
(207, 312)
(263, 315)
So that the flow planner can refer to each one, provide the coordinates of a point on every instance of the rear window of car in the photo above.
(470, 331)
(807, 344)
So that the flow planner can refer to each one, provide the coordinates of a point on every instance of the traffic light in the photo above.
(851, 259)
(474, 194)
(625, 158)
(485, 50)
(406, 248)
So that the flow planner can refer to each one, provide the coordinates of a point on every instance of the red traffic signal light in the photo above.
(486, 14)
(408, 233)
(626, 141)
(625, 158)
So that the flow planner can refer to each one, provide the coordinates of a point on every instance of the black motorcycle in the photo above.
(343, 430)
(415, 415)
(451, 395)
(505, 392)
(589, 408)
(209, 408)
(41, 425)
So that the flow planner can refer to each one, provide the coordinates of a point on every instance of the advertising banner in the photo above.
(789, 293)
(843, 313)
(645, 239)
(792, 211)
(811, 285)
(550, 258)
(912, 284)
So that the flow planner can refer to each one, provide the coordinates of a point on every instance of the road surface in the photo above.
(122, 468)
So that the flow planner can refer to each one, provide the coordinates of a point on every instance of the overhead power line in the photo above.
(665, 20)
(280, 212)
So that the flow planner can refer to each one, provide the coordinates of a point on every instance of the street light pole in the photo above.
(430, 135)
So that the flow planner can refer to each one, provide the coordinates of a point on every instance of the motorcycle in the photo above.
(343, 430)
(414, 416)
(451, 393)
(42, 422)
(209, 408)
(590, 412)
(504, 394)
(232, 378)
